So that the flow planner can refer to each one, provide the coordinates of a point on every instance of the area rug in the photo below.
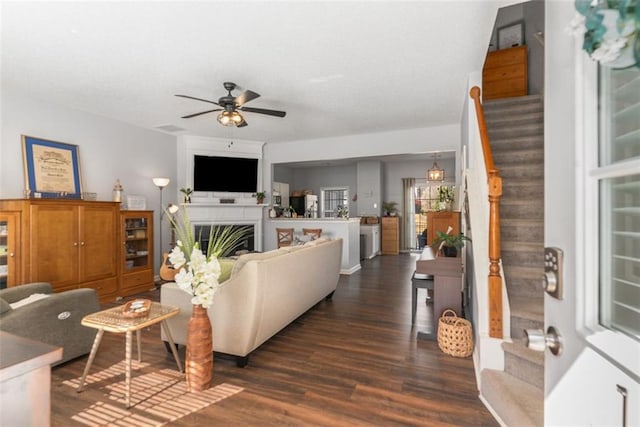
(158, 397)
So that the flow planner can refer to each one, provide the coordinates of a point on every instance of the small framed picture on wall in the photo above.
(511, 35)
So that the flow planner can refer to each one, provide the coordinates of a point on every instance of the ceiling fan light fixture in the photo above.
(435, 173)
(232, 118)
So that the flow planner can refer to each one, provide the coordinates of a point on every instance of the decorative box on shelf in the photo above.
(136, 203)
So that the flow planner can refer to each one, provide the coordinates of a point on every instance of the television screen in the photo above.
(231, 174)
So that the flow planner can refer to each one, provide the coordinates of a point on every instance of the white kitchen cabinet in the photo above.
(371, 234)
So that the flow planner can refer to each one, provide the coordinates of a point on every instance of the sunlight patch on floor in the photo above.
(157, 397)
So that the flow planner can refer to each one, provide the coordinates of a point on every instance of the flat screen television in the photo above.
(230, 174)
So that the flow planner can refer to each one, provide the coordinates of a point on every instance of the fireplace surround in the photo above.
(208, 214)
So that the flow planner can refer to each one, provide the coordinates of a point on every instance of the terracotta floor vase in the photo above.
(199, 356)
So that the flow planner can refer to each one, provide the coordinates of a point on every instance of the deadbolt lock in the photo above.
(552, 279)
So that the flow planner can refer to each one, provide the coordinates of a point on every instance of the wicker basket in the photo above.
(455, 336)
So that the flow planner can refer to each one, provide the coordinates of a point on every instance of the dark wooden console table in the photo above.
(447, 288)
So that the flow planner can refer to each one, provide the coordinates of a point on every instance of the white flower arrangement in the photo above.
(609, 29)
(198, 273)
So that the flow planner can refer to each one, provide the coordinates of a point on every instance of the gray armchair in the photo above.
(53, 320)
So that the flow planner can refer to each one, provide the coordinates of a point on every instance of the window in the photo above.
(425, 196)
(619, 199)
(331, 199)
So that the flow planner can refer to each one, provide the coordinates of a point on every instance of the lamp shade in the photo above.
(161, 182)
(230, 118)
(435, 173)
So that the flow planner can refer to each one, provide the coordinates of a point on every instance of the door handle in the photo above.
(537, 340)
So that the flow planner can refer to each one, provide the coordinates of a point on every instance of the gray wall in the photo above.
(108, 150)
(372, 181)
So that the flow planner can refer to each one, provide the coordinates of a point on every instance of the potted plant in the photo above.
(452, 243)
(187, 194)
(389, 208)
(260, 196)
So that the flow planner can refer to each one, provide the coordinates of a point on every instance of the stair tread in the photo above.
(515, 141)
(530, 165)
(517, 402)
(527, 99)
(528, 307)
(522, 222)
(518, 347)
(518, 244)
(516, 131)
(519, 202)
(532, 182)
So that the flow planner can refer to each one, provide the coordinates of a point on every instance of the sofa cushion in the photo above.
(243, 259)
(4, 306)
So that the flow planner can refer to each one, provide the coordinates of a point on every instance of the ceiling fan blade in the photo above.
(246, 96)
(203, 112)
(243, 124)
(264, 111)
(198, 99)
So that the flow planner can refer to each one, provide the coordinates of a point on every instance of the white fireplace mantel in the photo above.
(228, 214)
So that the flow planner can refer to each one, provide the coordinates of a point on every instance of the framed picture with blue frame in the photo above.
(51, 169)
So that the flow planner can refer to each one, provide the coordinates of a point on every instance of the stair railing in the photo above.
(494, 182)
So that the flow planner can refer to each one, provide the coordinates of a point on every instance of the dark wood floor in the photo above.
(352, 361)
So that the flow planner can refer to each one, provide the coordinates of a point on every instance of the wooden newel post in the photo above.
(495, 279)
(495, 192)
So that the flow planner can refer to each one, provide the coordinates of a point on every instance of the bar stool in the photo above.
(419, 281)
(284, 236)
(313, 232)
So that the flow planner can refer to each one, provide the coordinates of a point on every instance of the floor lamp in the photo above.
(161, 182)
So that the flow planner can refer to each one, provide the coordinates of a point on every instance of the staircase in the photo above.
(516, 132)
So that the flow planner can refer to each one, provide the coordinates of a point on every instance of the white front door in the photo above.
(598, 363)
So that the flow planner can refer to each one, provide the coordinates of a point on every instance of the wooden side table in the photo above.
(447, 288)
(114, 320)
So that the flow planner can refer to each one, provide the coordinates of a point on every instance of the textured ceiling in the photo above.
(335, 67)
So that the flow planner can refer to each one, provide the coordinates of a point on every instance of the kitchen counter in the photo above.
(348, 229)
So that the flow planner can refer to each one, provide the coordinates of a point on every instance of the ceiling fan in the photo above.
(232, 105)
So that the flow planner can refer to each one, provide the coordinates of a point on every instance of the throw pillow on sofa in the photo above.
(28, 300)
(243, 259)
(226, 266)
(317, 241)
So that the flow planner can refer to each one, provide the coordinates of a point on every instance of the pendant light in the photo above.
(435, 173)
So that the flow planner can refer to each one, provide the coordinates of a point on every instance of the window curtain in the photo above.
(407, 238)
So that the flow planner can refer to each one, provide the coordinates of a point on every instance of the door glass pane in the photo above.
(137, 243)
(620, 115)
(620, 200)
(620, 252)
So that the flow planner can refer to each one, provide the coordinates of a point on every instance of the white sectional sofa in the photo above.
(265, 292)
